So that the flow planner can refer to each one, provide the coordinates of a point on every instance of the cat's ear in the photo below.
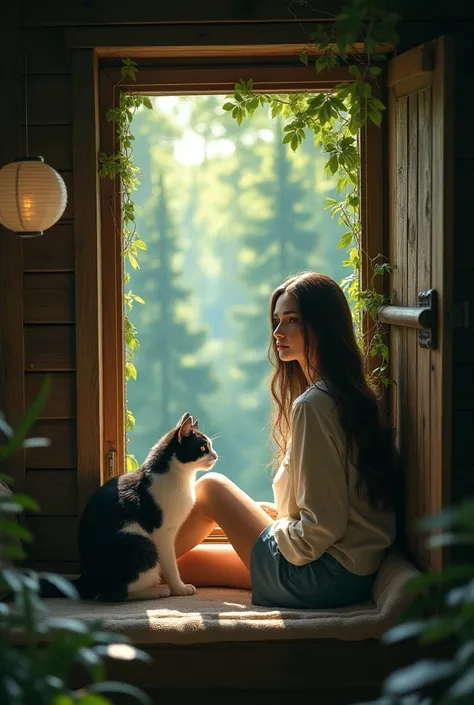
(185, 427)
(194, 424)
(183, 418)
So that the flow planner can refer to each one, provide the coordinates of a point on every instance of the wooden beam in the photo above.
(112, 288)
(11, 247)
(112, 12)
(87, 261)
(222, 79)
(374, 235)
(197, 40)
(78, 13)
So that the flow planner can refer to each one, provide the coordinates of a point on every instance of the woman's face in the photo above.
(287, 330)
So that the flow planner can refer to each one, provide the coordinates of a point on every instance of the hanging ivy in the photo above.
(120, 164)
(334, 119)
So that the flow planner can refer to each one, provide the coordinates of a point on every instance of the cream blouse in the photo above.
(319, 509)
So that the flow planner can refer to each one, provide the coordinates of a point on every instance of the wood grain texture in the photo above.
(47, 46)
(374, 235)
(88, 270)
(418, 487)
(53, 252)
(110, 12)
(421, 242)
(49, 99)
(423, 279)
(50, 348)
(54, 490)
(49, 298)
(62, 451)
(61, 403)
(11, 264)
(113, 378)
(53, 143)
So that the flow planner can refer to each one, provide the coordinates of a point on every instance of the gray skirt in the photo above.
(321, 584)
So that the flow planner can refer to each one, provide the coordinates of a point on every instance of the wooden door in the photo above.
(421, 235)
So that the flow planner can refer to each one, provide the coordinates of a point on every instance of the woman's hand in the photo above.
(269, 508)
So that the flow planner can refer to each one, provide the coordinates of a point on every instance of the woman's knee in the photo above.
(213, 484)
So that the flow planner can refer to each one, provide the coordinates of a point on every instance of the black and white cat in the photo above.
(128, 529)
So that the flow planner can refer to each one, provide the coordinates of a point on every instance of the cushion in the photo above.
(218, 614)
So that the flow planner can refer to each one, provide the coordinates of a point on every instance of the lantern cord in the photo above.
(26, 102)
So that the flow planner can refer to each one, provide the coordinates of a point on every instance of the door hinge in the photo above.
(111, 464)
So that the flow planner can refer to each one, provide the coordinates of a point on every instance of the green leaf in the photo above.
(26, 502)
(125, 688)
(140, 244)
(62, 584)
(345, 240)
(420, 674)
(375, 70)
(147, 102)
(12, 528)
(304, 58)
(228, 106)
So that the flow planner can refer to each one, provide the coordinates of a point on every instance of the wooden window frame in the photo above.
(269, 76)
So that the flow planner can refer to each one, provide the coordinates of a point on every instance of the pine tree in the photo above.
(169, 344)
(280, 240)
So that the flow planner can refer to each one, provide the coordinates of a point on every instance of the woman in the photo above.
(335, 487)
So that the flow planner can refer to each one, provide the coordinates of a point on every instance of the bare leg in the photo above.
(220, 501)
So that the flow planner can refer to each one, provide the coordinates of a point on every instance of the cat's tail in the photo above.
(85, 588)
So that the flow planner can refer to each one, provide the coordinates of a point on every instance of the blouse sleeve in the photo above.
(320, 488)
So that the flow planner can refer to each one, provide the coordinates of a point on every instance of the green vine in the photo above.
(120, 164)
(334, 119)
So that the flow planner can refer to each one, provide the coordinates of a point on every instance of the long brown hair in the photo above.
(325, 317)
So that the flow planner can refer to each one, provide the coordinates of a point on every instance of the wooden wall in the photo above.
(49, 310)
(37, 281)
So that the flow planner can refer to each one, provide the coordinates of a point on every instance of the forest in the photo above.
(227, 212)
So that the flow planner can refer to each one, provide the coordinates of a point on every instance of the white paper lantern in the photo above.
(33, 196)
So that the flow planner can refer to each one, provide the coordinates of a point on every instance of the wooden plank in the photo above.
(398, 145)
(47, 46)
(55, 539)
(418, 61)
(108, 12)
(61, 453)
(191, 40)
(374, 240)
(50, 348)
(11, 265)
(423, 279)
(112, 292)
(49, 298)
(173, 80)
(77, 12)
(49, 99)
(53, 143)
(61, 403)
(54, 490)
(52, 252)
(88, 272)
(442, 258)
(412, 467)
